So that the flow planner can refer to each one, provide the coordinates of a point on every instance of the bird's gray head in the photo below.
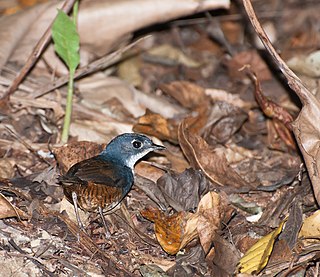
(128, 148)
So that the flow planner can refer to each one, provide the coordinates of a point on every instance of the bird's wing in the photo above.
(98, 171)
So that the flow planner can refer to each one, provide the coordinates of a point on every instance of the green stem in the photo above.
(67, 117)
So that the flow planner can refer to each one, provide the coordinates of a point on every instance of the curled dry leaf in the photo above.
(224, 121)
(270, 108)
(183, 191)
(169, 229)
(174, 232)
(8, 210)
(211, 161)
(188, 94)
(210, 213)
(156, 125)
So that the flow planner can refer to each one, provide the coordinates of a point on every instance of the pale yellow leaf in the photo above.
(311, 226)
(258, 255)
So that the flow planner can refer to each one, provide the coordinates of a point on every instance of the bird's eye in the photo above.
(136, 144)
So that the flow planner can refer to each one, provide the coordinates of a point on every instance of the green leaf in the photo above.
(66, 40)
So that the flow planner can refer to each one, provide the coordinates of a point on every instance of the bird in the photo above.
(100, 183)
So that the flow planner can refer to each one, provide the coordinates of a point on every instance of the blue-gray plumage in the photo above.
(101, 182)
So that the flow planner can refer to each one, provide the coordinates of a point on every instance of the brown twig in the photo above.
(37, 51)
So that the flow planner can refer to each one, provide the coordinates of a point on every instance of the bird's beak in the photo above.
(157, 147)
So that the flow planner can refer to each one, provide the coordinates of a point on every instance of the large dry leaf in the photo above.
(98, 89)
(9, 210)
(211, 161)
(210, 212)
(256, 258)
(189, 95)
(102, 24)
(183, 191)
(175, 231)
(156, 125)
(311, 226)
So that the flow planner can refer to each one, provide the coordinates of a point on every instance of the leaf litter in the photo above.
(232, 194)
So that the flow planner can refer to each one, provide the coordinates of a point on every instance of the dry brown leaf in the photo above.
(211, 161)
(7, 168)
(210, 213)
(98, 89)
(156, 125)
(174, 232)
(169, 229)
(8, 210)
(150, 172)
(188, 94)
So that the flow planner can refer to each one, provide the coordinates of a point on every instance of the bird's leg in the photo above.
(76, 210)
(108, 235)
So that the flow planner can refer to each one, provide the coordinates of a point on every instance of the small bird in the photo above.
(100, 183)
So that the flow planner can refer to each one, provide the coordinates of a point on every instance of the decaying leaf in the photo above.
(171, 56)
(223, 122)
(175, 231)
(188, 94)
(9, 210)
(183, 191)
(257, 256)
(156, 125)
(311, 226)
(211, 161)
(169, 230)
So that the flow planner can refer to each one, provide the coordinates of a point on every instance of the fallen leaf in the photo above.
(211, 161)
(223, 122)
(311, 226)
(175, 231)
(169, 230)
(156, 125)
(171, 55)
(184, 190)
(210, 213)
(188, 94)
(256, 258)
(7, 209)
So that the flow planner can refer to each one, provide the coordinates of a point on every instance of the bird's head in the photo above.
(128, 148)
